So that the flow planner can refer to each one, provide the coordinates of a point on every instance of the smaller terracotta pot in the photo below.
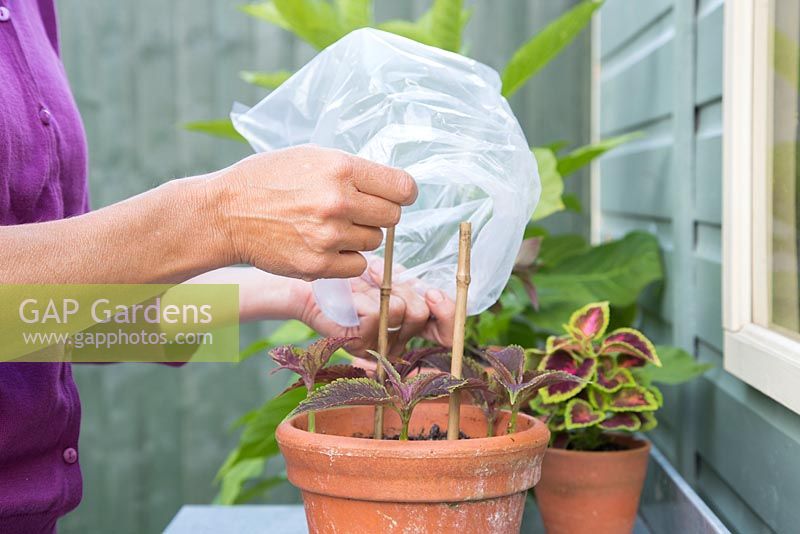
(360, 485)
(592, 492)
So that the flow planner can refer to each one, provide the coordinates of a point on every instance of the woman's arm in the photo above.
(303, 212)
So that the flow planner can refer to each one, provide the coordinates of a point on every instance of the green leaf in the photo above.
(616, 271)
(446, 24)
(677, 367)
(415, 30)
(545, 45)
(266, 11)
(354, 14)
(584, 155)
(270, 80)
(235, 478)
(557, 248)
(314, 21)
(441, 26)
(218, 128)
(259, 488)
(572, 202)
(258, 436)
(552, 185)
(291, 333)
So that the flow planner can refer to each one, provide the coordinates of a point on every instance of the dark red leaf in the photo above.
(564, 361)
(326, 375)
(414, 359)
(345, 392)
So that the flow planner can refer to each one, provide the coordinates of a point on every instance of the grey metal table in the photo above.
(283, 519)
(242, 519)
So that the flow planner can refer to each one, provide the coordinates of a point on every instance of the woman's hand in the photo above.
(307, 212)
(410, 314)
(265, 296)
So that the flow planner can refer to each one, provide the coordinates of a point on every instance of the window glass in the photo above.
(785, 158)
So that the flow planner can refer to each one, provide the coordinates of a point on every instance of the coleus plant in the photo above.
(510, 384)
(399, 393)
(310, 363)
(614, 393)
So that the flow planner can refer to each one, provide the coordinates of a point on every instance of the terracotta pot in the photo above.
(592, 492)
(357, 485)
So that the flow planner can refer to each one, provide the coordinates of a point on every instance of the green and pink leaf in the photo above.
(565, 362)
(630, 342)
(631, 399)
(611, 380)
(627, 422)
(589, 322)
(580, 414)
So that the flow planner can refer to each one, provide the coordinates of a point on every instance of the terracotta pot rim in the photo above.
(500, 445)
(635, 448)
(436, 471)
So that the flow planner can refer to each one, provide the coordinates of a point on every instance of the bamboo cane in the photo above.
(383, 322)
(462, 285)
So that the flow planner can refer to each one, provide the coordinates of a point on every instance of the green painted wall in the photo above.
(153, 437)
(661, 73)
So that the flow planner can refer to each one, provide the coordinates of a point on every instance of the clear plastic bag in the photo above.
(436, 114)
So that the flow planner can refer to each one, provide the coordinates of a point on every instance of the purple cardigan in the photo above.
(43, 170)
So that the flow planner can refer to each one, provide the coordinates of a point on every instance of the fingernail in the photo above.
(435, 296)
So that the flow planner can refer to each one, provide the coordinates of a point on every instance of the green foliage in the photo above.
(354, 13)
(550, 201)
(616, 271)
(546, 45)
(269, 80)
(447, 24)
(217, 128)
(678, 366)
(317, 22)
(582, 156)
(256, 444)
(266, 11)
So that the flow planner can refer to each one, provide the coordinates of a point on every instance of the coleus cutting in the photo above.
(614, 395)
(310, 363)
(400, 393)
(345, 385)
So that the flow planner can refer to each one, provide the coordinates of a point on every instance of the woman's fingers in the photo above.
(415, 319)
(395, 185)
(440, 327)
(367, 306)
(343, 265)
(374, 211)
(361, 238)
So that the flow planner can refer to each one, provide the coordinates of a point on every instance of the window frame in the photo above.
(759, 355)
